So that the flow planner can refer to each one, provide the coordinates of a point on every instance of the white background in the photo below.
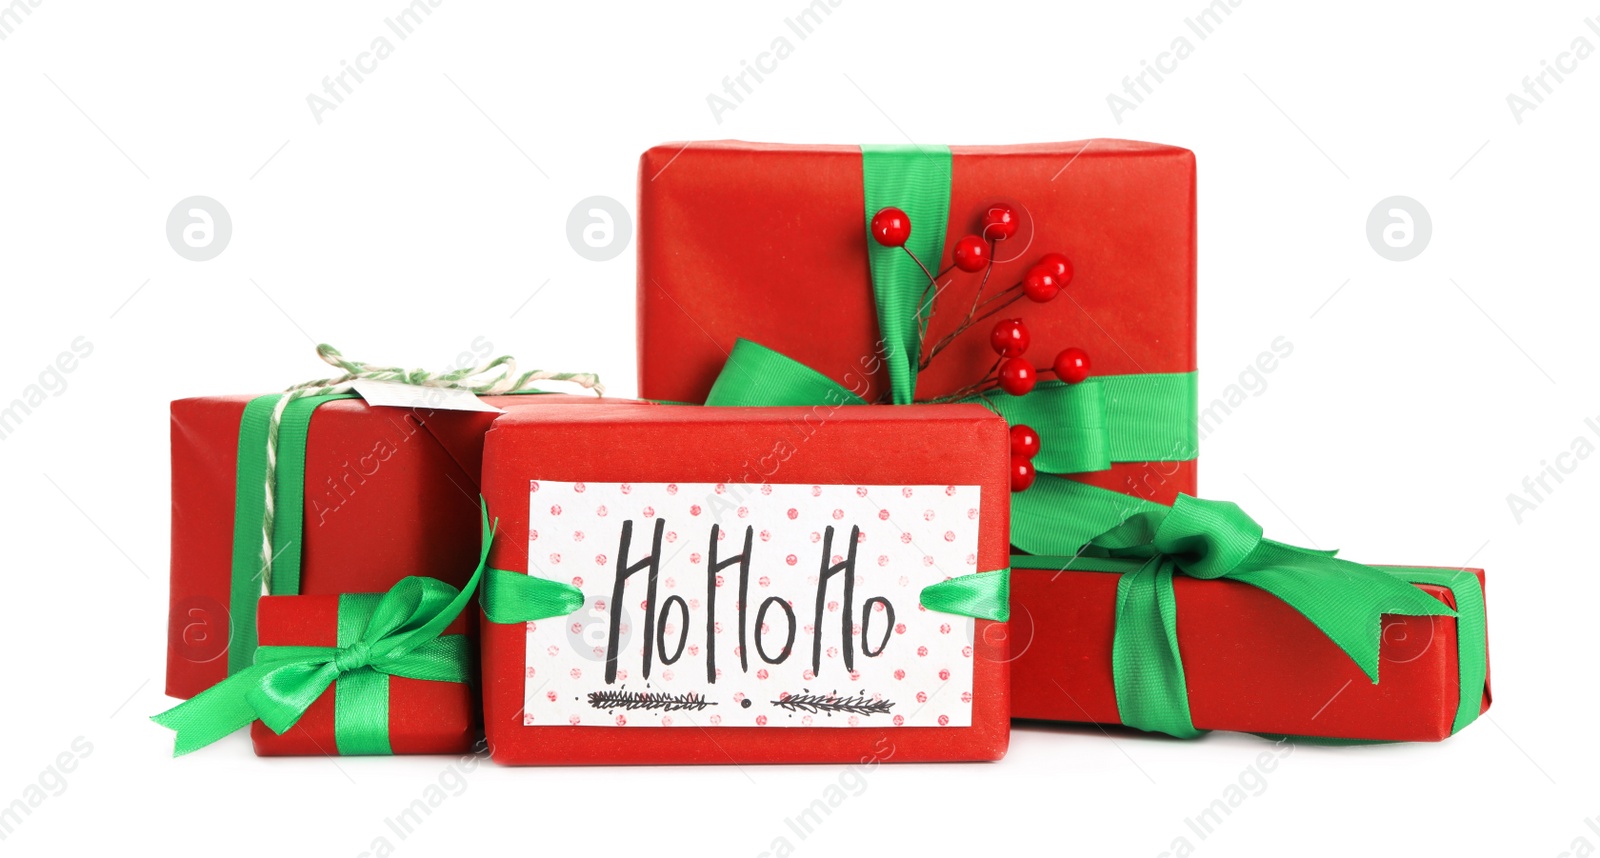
(430, 208)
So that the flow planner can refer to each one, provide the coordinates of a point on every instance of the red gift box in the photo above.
(1252, 663)
(767, 242)
(425, 717)
(795, 277)
(389, 492)
(561, 482)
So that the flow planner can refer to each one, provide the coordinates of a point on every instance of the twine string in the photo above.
(493, 377)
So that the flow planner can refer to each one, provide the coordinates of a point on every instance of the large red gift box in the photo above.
(1253, 663)
(767, 242)
(751, 584)
(388, 493)
(425, 717)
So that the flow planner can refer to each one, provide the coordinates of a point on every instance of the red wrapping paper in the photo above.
(857, 445)
(415, 513)
(424, 717)
(1252, 663)
(768, 242)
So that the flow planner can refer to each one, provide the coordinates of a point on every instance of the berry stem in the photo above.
(1015, 287)
(932, 281)
(1008, 302)
(989, 379)
(925, 301)
(978, 303)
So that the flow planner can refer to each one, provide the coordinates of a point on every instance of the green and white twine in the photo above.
(498, 376)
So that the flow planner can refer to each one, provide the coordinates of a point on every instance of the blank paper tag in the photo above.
(396, 395)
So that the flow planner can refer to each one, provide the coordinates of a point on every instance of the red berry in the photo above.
(891, 227)
(971, 253)
(1024, 441)
(1040, 284)
(1009, 338)
(1017, 376)
(1021, 474)
(1060, 266)
(999, 222)
(1072, 365)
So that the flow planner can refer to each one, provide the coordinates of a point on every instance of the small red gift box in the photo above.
(758, 585)
(1253, 663)
(386, 493)
(424, 717)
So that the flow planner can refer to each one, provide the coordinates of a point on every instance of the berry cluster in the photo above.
(1011, 372)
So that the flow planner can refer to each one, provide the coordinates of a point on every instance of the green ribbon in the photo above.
(1082, 427)
(360, 697)
(249, 493)
(755, 375)
(397, 634)
(514, 597)
(982, 595)
(1472, 646)
(915, 179)
(1207, 540)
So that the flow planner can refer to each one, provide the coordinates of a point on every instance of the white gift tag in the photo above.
(742, 605)
(396, 395)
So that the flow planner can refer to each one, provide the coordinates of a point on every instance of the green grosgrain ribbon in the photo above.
(399, 633)
(981, 595)
(1209, 540)
(915, 179)
(1082, 427)
(287, 523)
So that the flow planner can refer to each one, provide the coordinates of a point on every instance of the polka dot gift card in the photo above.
(751, 605)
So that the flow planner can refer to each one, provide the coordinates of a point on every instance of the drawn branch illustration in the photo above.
(829, 703)
(630, 700)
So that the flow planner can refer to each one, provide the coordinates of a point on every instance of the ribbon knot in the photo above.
(352, 657)
(1205, 538)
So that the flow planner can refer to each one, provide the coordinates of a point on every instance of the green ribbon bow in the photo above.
(1202, 539)
(396, 634)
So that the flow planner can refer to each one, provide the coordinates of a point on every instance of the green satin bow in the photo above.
(1209, 540)
(401, 637)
